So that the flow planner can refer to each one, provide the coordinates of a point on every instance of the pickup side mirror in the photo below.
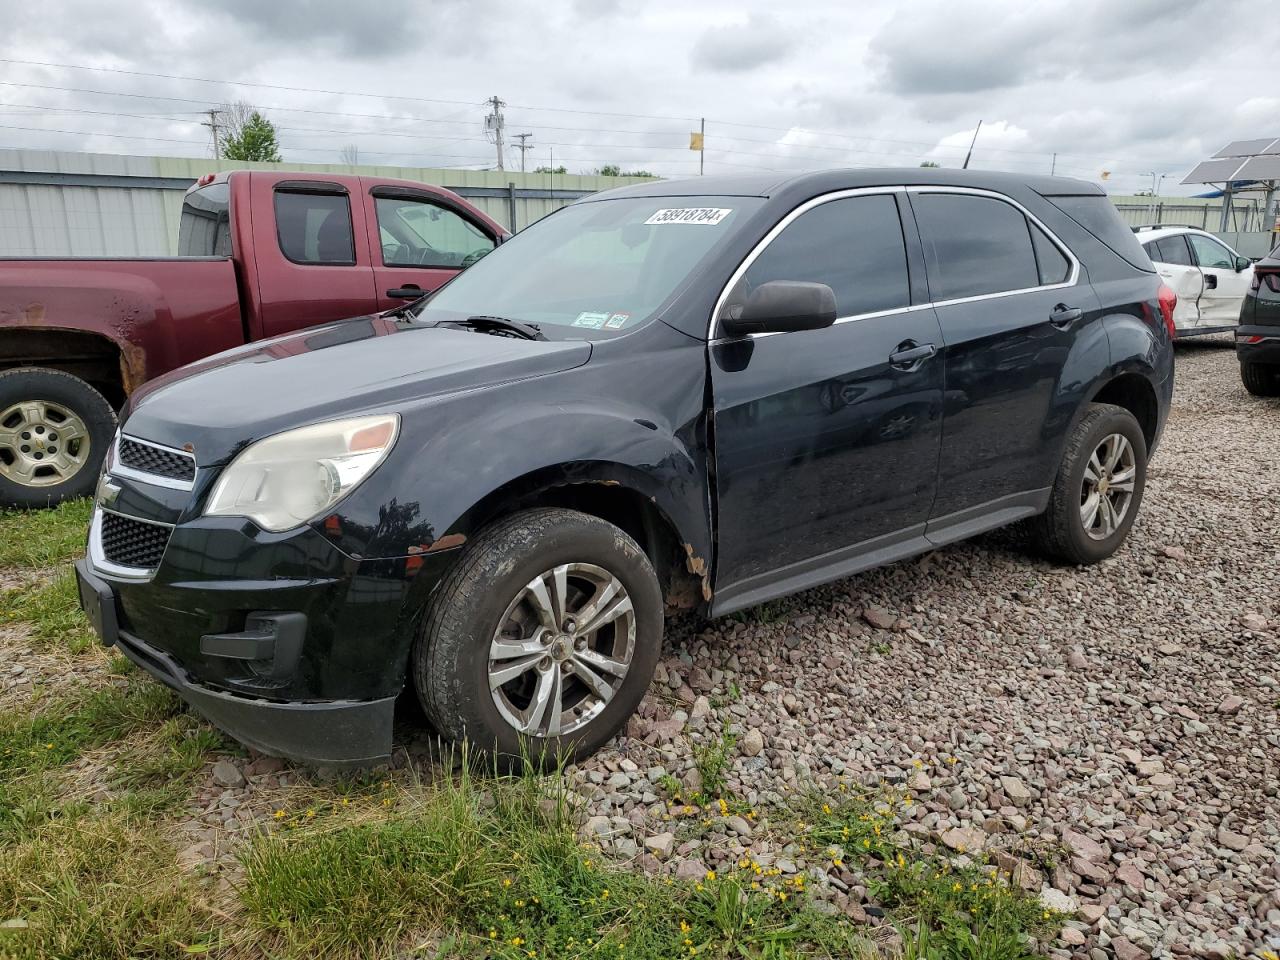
(782, 306)
(1242, 263)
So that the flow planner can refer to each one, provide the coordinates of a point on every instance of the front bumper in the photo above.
(323, 732)
(1265, 345)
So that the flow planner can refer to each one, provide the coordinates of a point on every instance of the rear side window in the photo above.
(974, 245)
(1052, 263)
(315, 228)
(853, 245)
(205, 227)
(1172, 250)
(1099, 216)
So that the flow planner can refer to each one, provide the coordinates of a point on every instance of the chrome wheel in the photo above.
(1107, 491)
(42, 443)
(561, 650)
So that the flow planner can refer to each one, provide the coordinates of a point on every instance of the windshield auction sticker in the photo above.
(702, 216)
(593, 320)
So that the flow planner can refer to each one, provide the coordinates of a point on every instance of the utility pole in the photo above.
(494, 123)
(212, 123)
(702, 145)
(971, 143)
(1053, 165)
(523, 146)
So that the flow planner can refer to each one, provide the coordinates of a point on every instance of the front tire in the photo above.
(54, 432)
(1098, 489)
(542, 638)
(1260, 379)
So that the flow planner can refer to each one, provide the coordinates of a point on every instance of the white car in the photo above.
(1209, 277)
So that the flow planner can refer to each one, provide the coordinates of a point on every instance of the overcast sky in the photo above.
(1126, 86)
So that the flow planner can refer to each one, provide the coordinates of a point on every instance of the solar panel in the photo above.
(1213, 171)
(1274, 148)
(1246, 148)
(1260, 168)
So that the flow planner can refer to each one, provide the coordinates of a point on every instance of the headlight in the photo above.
(288, 479)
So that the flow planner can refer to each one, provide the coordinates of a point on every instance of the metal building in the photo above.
(59, 204)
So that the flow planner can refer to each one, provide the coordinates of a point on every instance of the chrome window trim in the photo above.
(97, 558)
(1071, 281)
(119, 469)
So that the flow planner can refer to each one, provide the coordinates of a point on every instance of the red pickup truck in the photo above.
(260, 254)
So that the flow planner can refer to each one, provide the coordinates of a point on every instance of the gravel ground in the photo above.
(1111, 732)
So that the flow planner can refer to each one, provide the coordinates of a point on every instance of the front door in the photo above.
(1012, 308)
(1224, 285)
(419, 243)
(826, 441)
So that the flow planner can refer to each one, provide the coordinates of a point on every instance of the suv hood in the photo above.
(216, 406)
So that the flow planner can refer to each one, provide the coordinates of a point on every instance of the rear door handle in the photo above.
(409, 291)
(1064, 316)
(911, 354)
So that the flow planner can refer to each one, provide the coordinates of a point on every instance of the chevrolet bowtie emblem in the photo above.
(107, 492)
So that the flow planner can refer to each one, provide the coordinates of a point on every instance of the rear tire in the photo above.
(1260, 379)
(518, 603)
(1094, 500)
(54, 432)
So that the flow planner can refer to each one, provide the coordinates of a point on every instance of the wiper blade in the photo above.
(502, 325)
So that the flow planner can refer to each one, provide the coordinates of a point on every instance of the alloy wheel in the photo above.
(42, 443)
(561, 650)
(1107, 491)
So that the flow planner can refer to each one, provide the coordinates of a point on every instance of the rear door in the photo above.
(1172, 258)
(824, 442)
(1012, 306)
(311, 269)
(419, 241)
(1224, 285)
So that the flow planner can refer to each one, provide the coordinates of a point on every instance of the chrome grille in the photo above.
(130, 542)
(156, 461)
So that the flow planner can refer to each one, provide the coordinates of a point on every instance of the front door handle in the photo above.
(910, 354)
(410, 291)
(1211, 281)
(1064, 316)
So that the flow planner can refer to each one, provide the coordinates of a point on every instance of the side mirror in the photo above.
(783, 306)
(1242, 263)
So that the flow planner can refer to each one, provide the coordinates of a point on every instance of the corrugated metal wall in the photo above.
(56, 204)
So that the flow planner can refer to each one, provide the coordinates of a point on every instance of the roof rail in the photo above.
(1164, 226)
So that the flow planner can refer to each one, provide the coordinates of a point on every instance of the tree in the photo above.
(250, 135)
(614, 170)
(930, 163)
(350, 155)
(559, 169)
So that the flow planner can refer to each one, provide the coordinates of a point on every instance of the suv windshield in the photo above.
(595, 269)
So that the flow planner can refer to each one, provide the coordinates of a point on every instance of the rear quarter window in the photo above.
(205, 227)
(1099, 216)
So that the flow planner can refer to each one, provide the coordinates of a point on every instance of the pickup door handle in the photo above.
(1064, 316)
(910, 354)
(410, 291)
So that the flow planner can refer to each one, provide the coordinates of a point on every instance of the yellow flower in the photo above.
(604, 894)
(519, 903)
(311, 813)
(826, 808)
(493, 934)
(506, 881)
(684, 927)
(782, 896)
(837, 862)
(279, 814)
(952, 761)
(346, 802)
(917, 764)
(516, 941)
(711, 874)
(386, 801)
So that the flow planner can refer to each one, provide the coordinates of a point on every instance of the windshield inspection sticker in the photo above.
(593, 320)
(703, 216)
(616, 321)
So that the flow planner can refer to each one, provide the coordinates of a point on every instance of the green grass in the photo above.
(712, 761)
(494, 868)
(35, 539)
(53, 611)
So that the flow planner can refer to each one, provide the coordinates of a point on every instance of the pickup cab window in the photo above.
(315, 228)
(416, 233)
(205, 227)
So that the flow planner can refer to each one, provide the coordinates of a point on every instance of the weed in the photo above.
(53, 610)
(712, 760)
(35, 539)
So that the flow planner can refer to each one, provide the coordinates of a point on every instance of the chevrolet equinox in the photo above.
(679, 395)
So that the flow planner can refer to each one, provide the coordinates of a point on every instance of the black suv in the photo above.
(682, 395)
(1258, 336)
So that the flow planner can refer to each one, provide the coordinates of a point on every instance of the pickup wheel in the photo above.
(1098, 489)
(542, 639)
(1260, 379)
(54, 432)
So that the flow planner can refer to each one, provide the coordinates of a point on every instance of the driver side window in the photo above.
(1210, 253)
(416, 233)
